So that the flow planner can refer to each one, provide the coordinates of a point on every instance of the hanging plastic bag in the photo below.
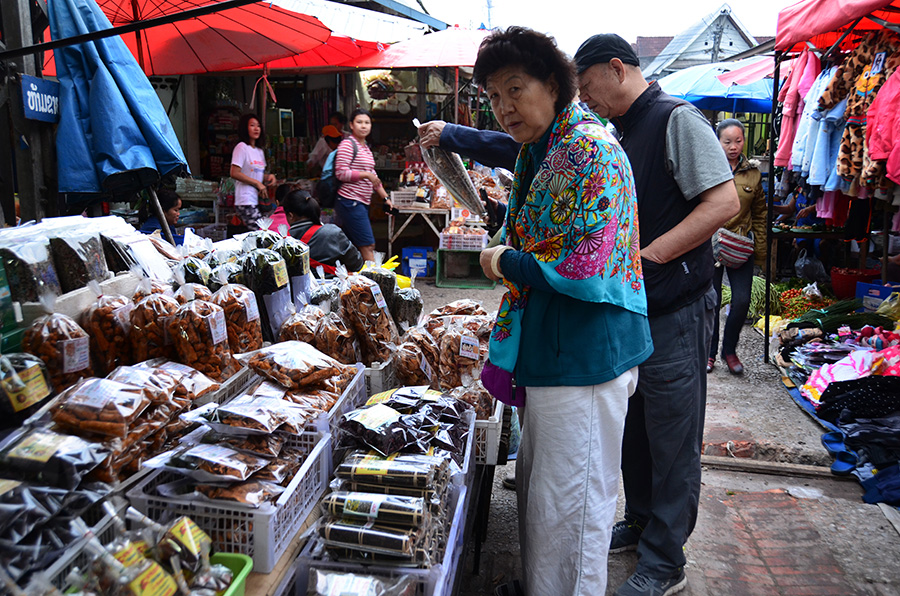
(108, 322)
(61, 343)
(809, 267)
(265, 272)
(811, 292)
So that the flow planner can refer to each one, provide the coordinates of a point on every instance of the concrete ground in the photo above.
(768, 527)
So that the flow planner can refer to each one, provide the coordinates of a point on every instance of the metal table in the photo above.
(429, 215)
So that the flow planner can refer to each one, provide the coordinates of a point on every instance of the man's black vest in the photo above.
(661, 205)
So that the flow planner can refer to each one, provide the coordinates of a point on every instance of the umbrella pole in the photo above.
(154, 200)
(456, 97)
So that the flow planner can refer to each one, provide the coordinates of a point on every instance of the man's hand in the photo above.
(430, 133)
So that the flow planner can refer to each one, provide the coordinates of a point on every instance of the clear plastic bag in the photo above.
(265, 272)
(231, 273)
(24, 387)
(200, 334)
(194, 270)
(333, 336)
(242, 317)
(148, 286)
(301, 326)
(100, 407)
(159, 385)
(192, 291)
(364, 307)
(50, 458)
(192, 384)
(323, 582)
(292, 364)
(108, 322)
(63, 346)
(462, 357)
(79, 258)
(149, 337)
(30, 269)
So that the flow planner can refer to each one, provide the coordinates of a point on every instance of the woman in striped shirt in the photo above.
(354, 166)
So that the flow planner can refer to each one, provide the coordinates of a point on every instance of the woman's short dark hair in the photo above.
(167, 198)
(303, 205)
(244, 124)
(339, 117)
(360, 112)
(728, 123)
(535, 53)
(282, 191)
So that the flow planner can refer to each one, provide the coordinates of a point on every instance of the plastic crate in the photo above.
(353, 397)
(231, 388)
(403, 198)
(436, 581)
(464, 241)
(381, 376)
(461, 269)
(215, 232)
(487, 437)
(263, 533)
(240, 566)
(76, 555)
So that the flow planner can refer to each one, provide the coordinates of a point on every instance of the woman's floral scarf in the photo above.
(579, 220)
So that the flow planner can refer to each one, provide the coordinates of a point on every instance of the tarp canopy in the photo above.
(822, 22)
(451, 47)
(701, 86)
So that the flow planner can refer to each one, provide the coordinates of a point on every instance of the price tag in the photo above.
(281, 273)
(379, 297)
(31, 389)
(251, 307)
(76, 354)
(426, 368)
(469, 347)
(217, 327)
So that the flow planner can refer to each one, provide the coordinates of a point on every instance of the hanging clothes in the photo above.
(808, 124)
(858, 78)
(822, 168)
(789, 96)
(883, 128)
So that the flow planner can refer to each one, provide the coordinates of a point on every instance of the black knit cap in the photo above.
(602, 48)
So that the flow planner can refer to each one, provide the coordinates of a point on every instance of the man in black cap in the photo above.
(685, 193)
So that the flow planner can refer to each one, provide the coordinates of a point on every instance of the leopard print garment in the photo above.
(853, 79)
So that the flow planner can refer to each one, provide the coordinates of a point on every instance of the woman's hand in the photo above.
(487, 255)
(269, 180)
(259, 185)
(806, 211)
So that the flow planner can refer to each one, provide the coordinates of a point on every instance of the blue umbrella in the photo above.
(700, 86)
(114, 135)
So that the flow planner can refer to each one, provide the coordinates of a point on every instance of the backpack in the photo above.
(327, 186)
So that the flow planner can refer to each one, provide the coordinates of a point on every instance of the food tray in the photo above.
(463, 241)
(381, 376)
(240, 565)
(487, 437)
(262, 533)
(437, 581)
(403, 198)
(231, 388)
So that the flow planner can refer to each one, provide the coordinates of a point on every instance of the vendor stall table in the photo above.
(441, 216)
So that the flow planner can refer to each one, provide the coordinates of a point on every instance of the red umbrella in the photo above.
(450, 47)
(221, 41)
(338, 50)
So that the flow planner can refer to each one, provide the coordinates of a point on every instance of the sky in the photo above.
(573, 21)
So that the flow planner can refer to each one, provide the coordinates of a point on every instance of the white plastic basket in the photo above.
(231, 388)
(263, 533)
(381, 376)
(76, 555)
(464, 241)
(436, 581)
(215, 232)
(487, 437)
(403, 198)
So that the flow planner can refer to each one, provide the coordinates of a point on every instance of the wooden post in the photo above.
(26, 136)
(421, 93)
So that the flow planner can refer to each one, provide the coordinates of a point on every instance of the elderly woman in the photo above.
(572, 326)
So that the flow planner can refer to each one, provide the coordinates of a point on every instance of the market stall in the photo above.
(225, 390)
(839, 355)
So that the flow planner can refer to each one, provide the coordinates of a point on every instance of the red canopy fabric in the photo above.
(226, 40)
(338, 50)
(763, 68)
(451, 47)
(823, 21)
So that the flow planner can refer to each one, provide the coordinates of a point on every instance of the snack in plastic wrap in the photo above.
(465, 306)
(366, 310)
(159, 385)
(282, 469)
(192, 384)
(336, 338)
(218, 463)
(192, 291)
(49, 458)
(406, 306)
(296, 256)
(292, 364)
(476, 396)
(412, 366)
(231, 272)
(385, 278)
(302, 325)
(108, 323)
(30, 269)
(148, 286)
(265, 272)
(200, 334)
(268, 446)
(392, 510)
(241, 317)
(63, 346)
(461, 358)
(384, 429)
(220, 256)
(261, 239)
(149, 337)
(324, 582)
(24, 387)
(194, 270)
(325, 294)
(79, 258)
(252, 492)
(100, 406)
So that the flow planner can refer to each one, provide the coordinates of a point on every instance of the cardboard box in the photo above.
(874, 294)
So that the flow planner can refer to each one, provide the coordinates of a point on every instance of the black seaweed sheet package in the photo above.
(44, 456)
(24, 387)
(79, 257)
(265, 272)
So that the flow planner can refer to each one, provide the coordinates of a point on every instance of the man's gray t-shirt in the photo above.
(693, 154)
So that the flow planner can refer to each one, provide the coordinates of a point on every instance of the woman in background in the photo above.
(354, 166)
(170, 203)
(751, 217)
(327, 243)
(248, 169)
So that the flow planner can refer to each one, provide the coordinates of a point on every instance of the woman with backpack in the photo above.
(354, 167)
(327, 243)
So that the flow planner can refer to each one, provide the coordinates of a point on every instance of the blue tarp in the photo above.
(114, 135)
(699, 85)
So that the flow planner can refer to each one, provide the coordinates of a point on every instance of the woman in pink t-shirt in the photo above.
(248, 169)
(354, 166)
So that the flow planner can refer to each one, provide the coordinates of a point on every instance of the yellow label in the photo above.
(375, 416)
(281, 274)
(129, 555)
(371, 466)
(32, 389)
(153, 581)
(38, 446)
(189, 535)
(8, 485)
